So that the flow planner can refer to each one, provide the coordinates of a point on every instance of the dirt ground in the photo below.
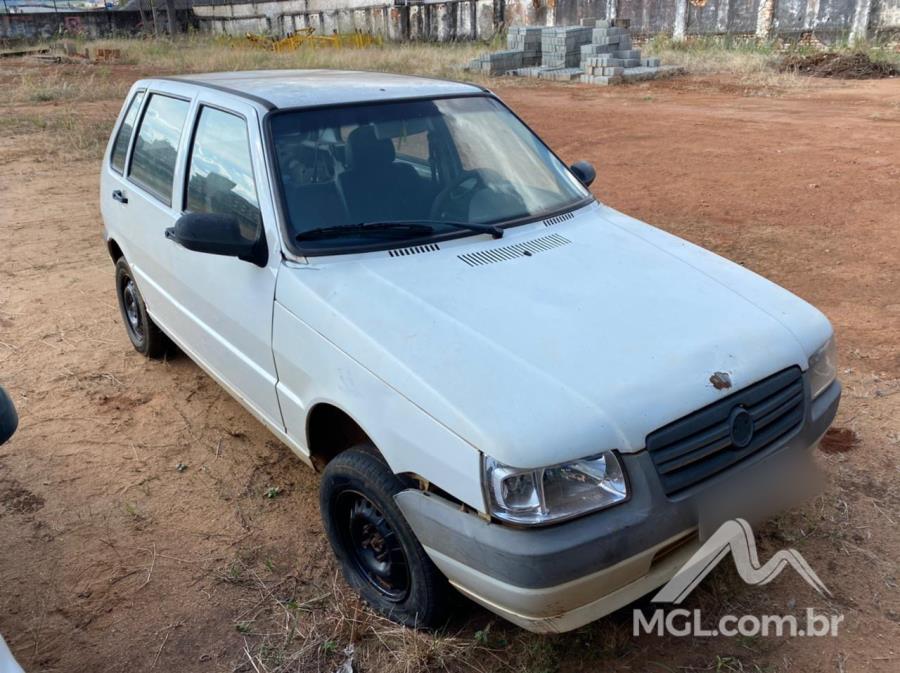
(111, 559)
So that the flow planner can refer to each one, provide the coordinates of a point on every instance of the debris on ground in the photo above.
(24, 51)
(857, 65)
(596, 52)
(69, 52)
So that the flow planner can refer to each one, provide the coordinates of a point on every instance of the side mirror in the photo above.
(584, 171)
(9, 420)
(218, 234)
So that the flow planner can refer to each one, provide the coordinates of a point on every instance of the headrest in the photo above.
(365, 150)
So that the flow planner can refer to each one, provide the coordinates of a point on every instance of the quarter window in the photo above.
(220, 175)
(156, 147)
(123, 137)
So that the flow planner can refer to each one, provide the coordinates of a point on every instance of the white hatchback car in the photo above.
(507, 384)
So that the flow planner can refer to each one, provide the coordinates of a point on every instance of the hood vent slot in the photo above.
(414, 250)
(507, 252)
(549, 222)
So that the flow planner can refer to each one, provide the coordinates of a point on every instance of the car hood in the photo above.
(607, 330)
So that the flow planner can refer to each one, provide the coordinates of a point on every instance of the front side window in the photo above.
(156, 148)
(123, 137)
(428, 163)
(220, 174)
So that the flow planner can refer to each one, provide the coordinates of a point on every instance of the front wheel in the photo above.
(378, 552)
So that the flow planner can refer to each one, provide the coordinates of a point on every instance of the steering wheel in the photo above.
(452, 203)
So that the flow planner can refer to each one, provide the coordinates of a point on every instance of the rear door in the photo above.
(223, 306)
(147, 198)
(112, 175)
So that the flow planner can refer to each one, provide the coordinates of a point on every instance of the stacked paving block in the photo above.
(528, 41)
(523, 51)
(596, 51)
(497, 62)
(561, 46)
(602, 69)
(560, 74)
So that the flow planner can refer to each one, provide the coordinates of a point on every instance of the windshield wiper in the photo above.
(411, 228)
(491, 229)
(402, 229)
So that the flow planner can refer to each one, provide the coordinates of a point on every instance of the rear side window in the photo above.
(123, 137)
(156, 147)
(220, 173)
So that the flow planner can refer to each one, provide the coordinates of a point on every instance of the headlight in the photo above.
(551, 494)
(823, 367)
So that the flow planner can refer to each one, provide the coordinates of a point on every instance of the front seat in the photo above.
(374, 186)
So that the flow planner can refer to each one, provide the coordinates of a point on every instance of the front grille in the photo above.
(700, 445)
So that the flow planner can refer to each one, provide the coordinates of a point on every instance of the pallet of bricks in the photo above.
(609, 58)
(523, 51)
(561, 51)
(596, 52)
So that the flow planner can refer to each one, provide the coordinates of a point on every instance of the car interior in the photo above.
(340, 175)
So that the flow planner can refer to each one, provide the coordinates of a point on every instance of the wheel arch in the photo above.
(115, 252)
(330, 431)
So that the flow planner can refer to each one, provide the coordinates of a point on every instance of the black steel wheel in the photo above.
(377, 550)
(373, 545)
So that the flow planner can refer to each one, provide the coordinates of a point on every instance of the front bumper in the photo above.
(561, 577)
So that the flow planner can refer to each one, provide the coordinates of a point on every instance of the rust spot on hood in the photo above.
(720, 380)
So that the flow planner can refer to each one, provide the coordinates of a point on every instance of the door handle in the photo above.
(119, 195)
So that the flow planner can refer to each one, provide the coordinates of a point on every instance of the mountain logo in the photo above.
(735, 536)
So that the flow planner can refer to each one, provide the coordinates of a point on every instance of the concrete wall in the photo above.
(481, 19)
(456, 19)
(446, 20)
(94, 24)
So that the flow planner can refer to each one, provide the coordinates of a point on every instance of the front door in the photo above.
(223, 306)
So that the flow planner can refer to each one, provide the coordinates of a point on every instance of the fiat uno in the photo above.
(509, 387)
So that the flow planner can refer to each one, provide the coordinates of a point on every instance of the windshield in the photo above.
(442, 163)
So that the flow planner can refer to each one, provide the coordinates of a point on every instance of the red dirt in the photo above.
(838, 66)
(112, 560)
(839, 440)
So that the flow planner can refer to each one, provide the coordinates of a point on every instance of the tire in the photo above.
(379, 554)
(145, 336)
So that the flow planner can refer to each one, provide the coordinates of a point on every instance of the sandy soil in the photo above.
(114, 560)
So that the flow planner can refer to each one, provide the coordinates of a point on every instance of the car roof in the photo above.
(309, 88)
